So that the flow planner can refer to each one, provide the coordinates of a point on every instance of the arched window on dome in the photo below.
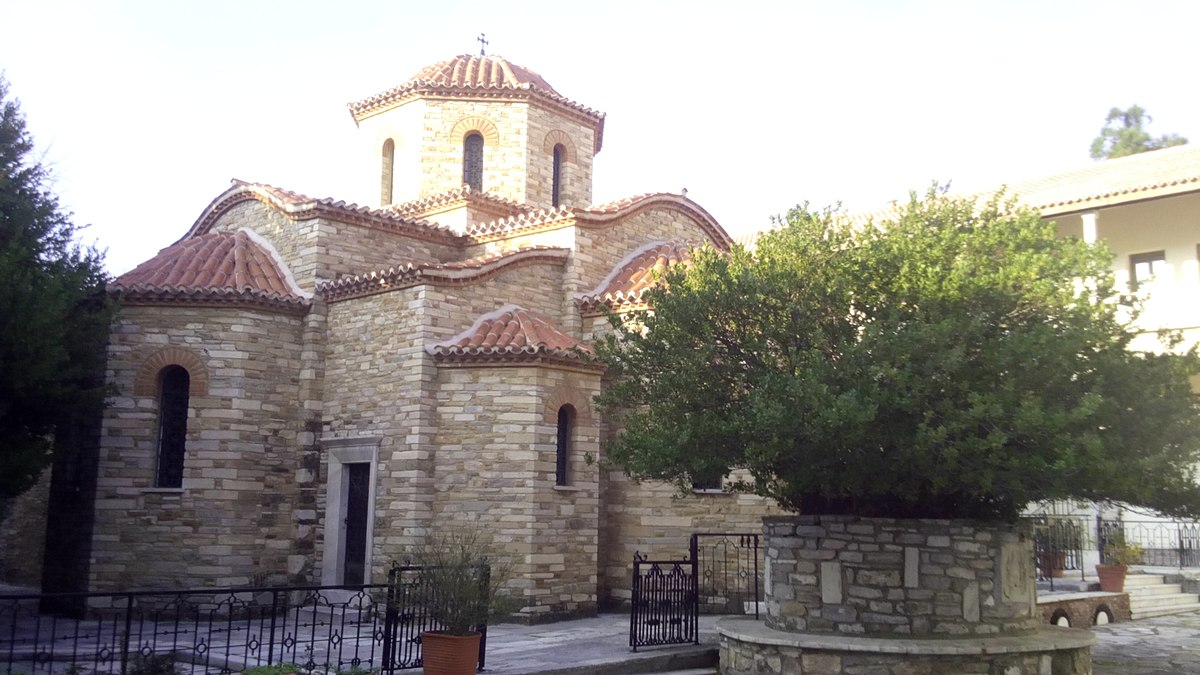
(388, 155)
(173, 384)
(473, 160)
(562, 450)
(560, 152)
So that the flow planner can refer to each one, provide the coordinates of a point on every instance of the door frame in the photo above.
(342, 451)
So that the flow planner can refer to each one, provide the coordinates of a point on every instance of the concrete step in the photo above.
(1136, 602)
(1139, 579)
(1148, 612)
(1161, 589)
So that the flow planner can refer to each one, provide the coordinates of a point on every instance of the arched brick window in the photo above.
(566, 424)
(473, 160)
(173, 384)
(388, 155)
(560, 153)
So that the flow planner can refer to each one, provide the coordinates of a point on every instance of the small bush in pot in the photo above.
(460, 585)
(1117, 556)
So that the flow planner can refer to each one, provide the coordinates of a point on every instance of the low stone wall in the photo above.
(1081, 609)
(750, 648)
(883, 576)
(856, 596)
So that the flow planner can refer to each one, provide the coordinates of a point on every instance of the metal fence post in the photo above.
(125, 637)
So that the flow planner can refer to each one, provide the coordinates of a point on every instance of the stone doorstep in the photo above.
(1042, 639)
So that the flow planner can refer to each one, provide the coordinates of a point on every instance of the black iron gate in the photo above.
(720, 575)
(664, 609)
(405, 618)
(729, 570)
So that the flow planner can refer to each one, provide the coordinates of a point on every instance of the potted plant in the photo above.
(459, 584)
(1116, 558)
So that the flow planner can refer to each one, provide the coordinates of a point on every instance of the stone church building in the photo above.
(305, 387)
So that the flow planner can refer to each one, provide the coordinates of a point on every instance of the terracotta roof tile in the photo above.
(480, 76)
(413, 273)
(1142, 176)
(481, 71)
(217, 267)
(510, 333)
(631, 277)
(301, 207)
(599, 216)
(417, 208)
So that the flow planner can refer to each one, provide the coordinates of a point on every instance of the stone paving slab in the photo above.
(1159, 646)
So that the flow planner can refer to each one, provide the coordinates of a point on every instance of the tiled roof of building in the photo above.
(414, 273)
(296, 206)
(1113, 181)
(479, 76)
(468, 70)
(599, 216)
(419, 208)
(214, 268)
(511, 333)
(629, 280)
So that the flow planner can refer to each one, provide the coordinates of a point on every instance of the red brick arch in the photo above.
(146, 382)
(566, 395)
(485, 127)
(559, 137)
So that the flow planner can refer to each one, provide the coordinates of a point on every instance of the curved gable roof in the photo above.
(296, 206)
(412, 274)
(600, 216)
(214, 268)
(510, 333)
(632, 277)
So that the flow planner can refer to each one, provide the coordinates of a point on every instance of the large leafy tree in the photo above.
(953, 359)
(1124, 133)
(54, 314)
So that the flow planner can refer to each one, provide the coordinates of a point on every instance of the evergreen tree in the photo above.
(956, 360)
(1124, 134)
(54, 313)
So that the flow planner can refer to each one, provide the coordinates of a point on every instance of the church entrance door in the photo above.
(358, 484)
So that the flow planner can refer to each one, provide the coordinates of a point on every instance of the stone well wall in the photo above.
(881, 576)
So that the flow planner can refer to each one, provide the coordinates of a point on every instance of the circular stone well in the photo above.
(846, 594)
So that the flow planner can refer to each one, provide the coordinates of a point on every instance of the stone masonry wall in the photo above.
(231, 522)
(547, 128)
(23, 534)
(653, 518)
(324, 249)
(381, 383)
(880, 576)
(503, 164)
(495, 466)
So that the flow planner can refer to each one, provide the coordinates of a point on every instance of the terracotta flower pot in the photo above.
(445, 654)
(1112, 577)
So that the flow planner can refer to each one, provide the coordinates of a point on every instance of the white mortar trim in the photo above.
(287, 273)
(612, 273)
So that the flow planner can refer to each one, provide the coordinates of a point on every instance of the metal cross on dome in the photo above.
(483, 43)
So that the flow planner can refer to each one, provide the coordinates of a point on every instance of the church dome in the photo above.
(481, 71)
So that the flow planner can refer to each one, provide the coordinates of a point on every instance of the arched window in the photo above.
(566, 420)
(173, 383)
(473, 160)
(556, 187)
(385, 173)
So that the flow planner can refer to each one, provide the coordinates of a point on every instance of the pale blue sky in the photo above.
(146, 109)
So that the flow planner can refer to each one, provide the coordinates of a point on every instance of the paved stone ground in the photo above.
(1159, 646)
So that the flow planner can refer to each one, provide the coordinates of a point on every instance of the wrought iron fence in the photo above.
(664, 608)
(1058, 545)
(730, 572)
(1164, 543)
(326, 629)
